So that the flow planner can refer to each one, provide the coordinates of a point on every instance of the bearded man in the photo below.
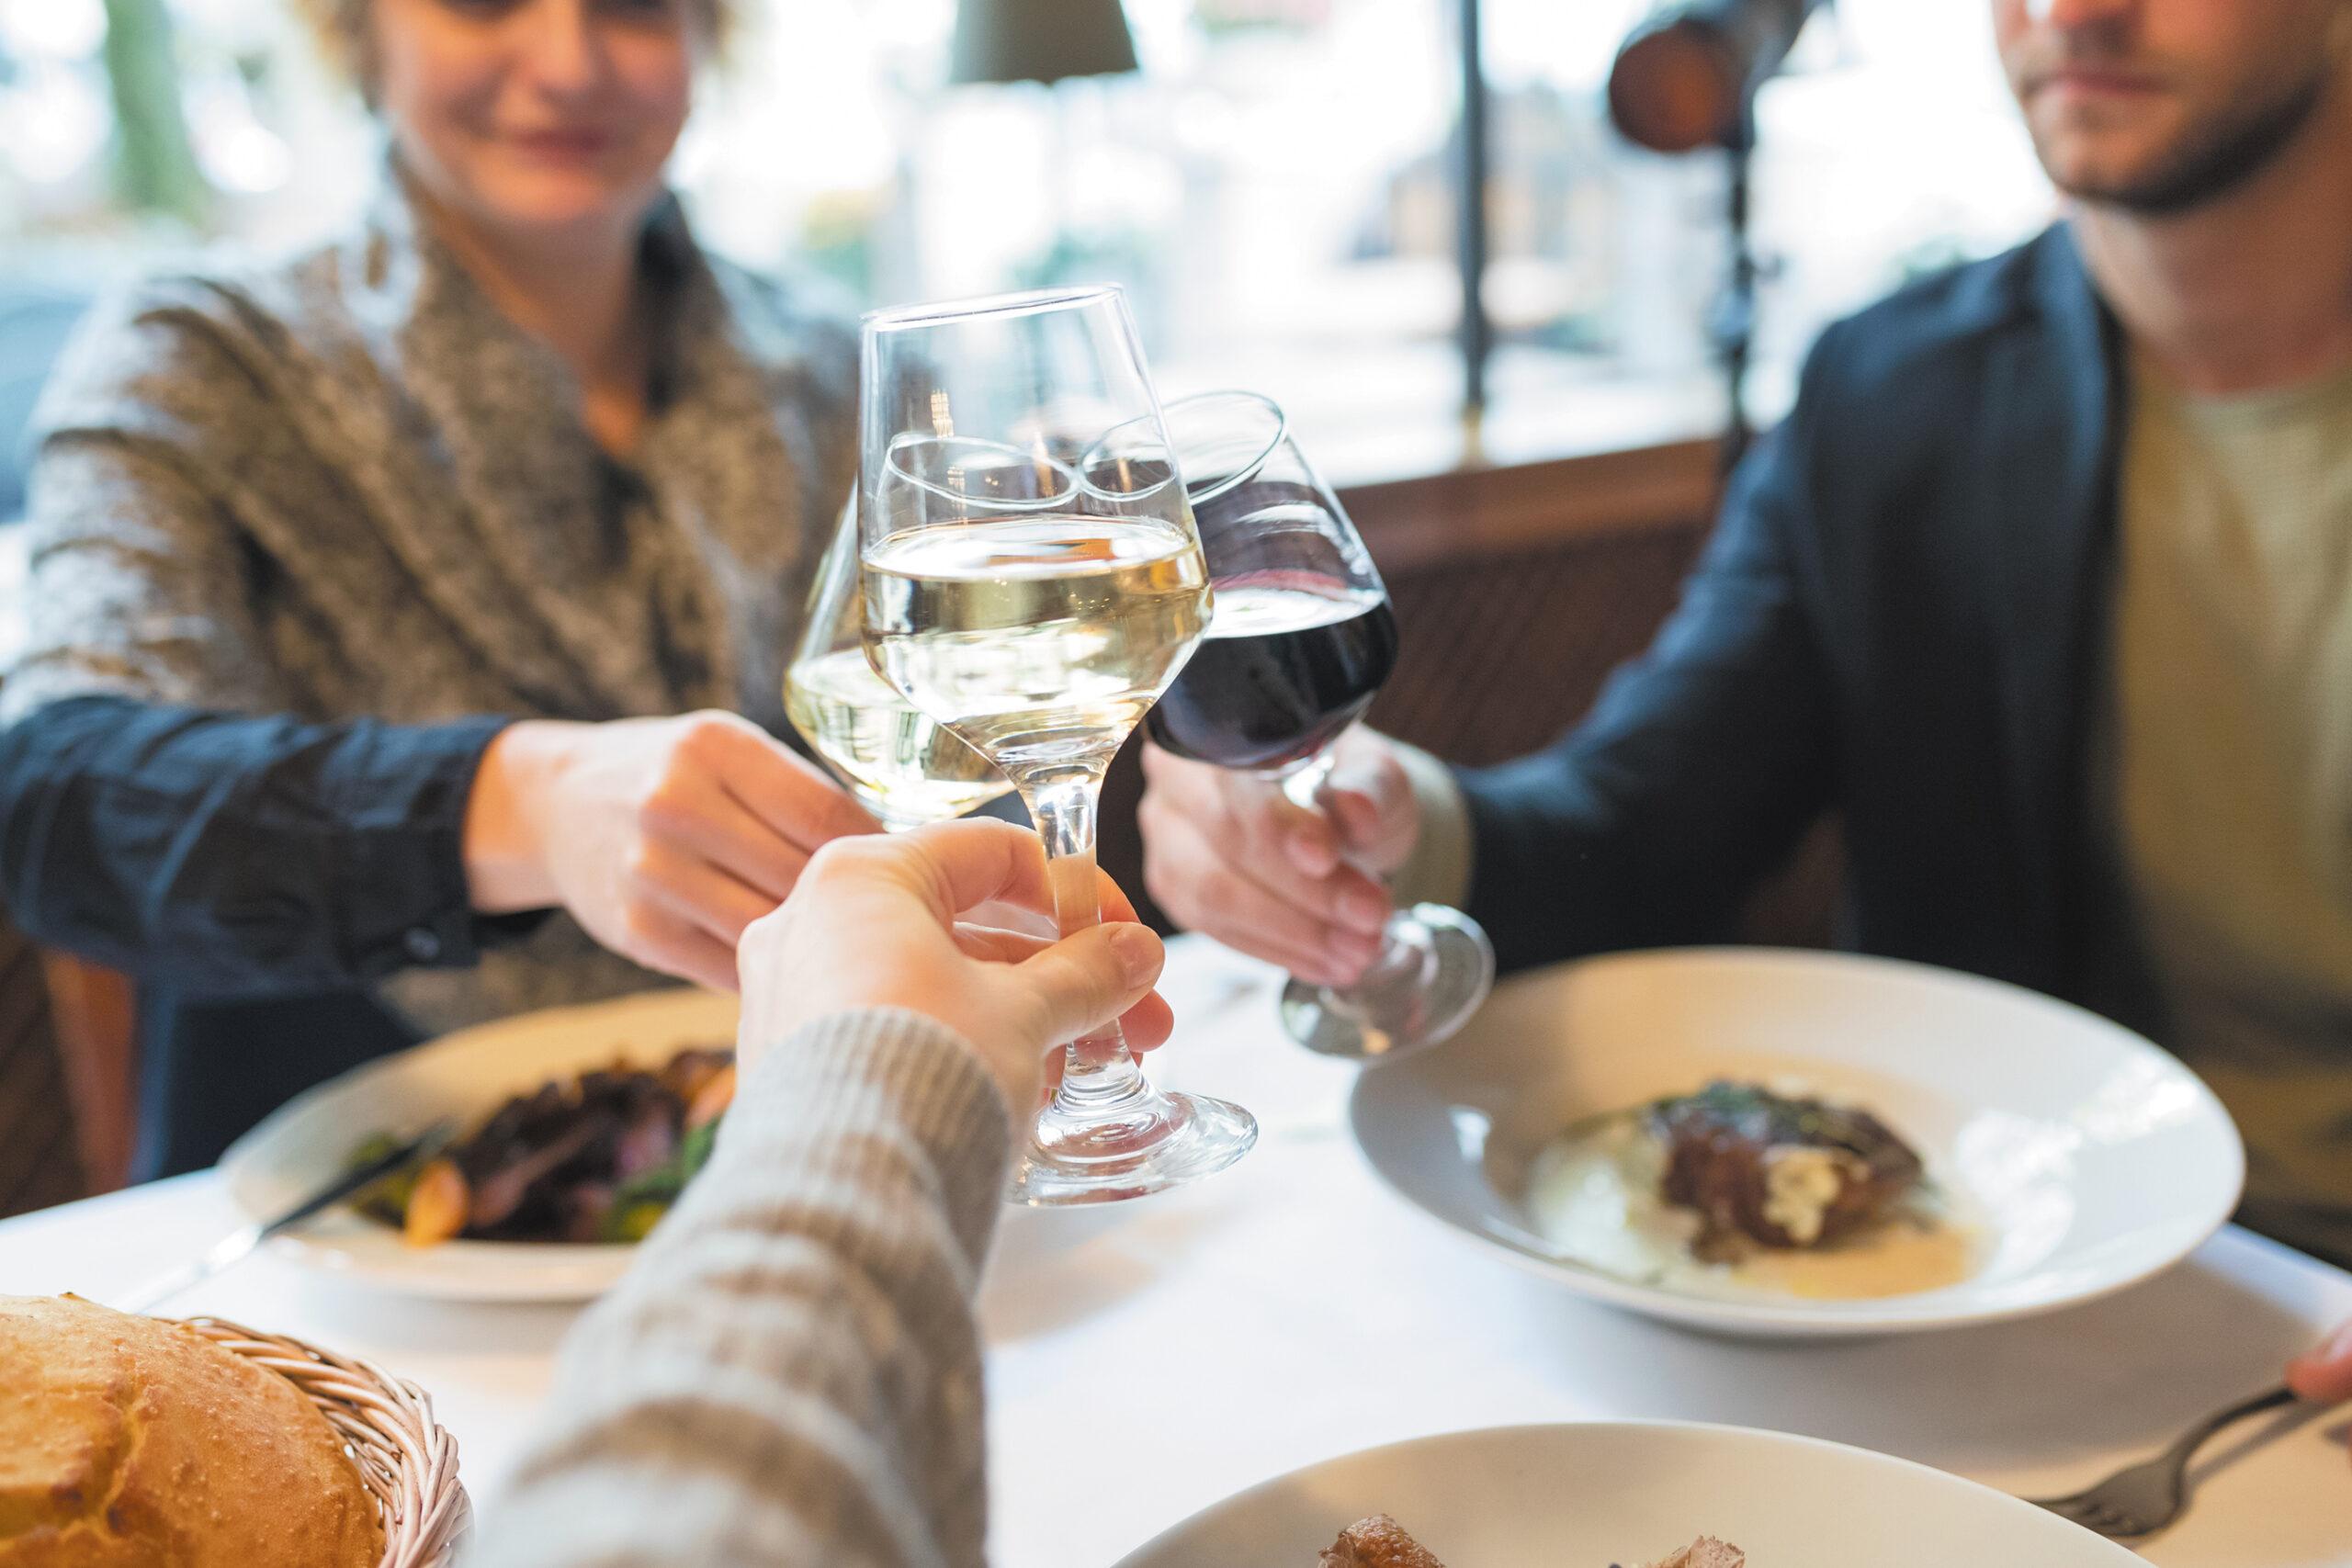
(2046, 587)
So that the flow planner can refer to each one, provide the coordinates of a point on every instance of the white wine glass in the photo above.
(902, 764)
(1302, 638)
(1038, 607)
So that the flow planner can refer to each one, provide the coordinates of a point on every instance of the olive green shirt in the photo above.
(2228, 744)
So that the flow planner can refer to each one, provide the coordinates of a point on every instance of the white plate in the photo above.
(2093, 1158)
(305, 1143)
(1601, 1493)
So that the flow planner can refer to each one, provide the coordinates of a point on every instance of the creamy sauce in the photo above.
(1593, 1194)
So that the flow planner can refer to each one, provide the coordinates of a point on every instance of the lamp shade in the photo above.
(1684, 79)
(1040, 40)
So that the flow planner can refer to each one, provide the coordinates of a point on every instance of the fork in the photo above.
(2141, 1499)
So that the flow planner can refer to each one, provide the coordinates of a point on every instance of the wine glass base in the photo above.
(1423, 1008)
(1176, 1139)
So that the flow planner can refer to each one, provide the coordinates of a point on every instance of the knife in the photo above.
(233, 1247)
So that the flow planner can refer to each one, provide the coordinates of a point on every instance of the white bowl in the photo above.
(308, 1142)
(1599, 1493)
(2093, 1158)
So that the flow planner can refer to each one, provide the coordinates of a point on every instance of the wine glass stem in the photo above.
(1099, 1073)
(1304, 783)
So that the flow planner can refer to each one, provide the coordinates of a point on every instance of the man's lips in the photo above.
(2098, 82)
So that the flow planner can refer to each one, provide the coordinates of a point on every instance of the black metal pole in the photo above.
(1734, 331)
(1470, 221)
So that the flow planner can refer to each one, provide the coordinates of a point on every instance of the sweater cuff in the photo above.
(1439, 869)
(812, 1097)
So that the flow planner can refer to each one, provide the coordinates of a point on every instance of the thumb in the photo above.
(1085, 981)
(2324, 1375)
(1368, 795)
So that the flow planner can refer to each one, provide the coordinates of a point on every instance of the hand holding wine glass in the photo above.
(664, 838)
(1303, 640)
(880, 923)
(1229, 854)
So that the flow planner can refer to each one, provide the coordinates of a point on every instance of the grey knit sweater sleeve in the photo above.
(790, 1374)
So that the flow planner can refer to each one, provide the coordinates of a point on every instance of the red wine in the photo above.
(1288, 661)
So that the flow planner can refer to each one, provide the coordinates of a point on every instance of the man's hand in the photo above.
(2323, 1374)
(666, 838)
(874, 922)
(1229, 854)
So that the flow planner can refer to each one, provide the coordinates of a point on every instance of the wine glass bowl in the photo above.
(1047, 615)
(962, 471)
(1301, 641)
(1303, 635)
(903, 766)
(1033, 580)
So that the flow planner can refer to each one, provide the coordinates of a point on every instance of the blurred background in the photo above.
(1277, 184)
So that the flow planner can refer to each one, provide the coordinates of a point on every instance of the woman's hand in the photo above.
(663, 837)
(874, 922)
(1229, 854)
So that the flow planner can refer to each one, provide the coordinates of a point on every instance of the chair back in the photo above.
(41, 1161)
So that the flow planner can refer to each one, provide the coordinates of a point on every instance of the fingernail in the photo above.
(1351, 953)
(1137, 951)
(1307, 853)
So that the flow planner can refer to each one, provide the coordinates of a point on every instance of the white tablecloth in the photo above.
(1146, 1358)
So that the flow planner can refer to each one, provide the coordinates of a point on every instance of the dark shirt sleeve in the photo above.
(227, 853)
(1702, 761)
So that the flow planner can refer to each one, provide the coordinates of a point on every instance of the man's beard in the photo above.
(2214, 160)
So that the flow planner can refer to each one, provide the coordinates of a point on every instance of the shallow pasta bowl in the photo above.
(1592, 1495)
(2088, 1158)
(306, 1143)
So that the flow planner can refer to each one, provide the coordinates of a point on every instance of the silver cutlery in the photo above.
(2141, 1499)
(233, 1247)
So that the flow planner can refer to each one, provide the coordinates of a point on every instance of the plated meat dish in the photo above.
(1376, 1542)
(1704, 1552)
(1738, 1190)
(598, 1158)
(1379, 1541)
(1778, 1170)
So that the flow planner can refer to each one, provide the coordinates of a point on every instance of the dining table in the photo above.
(1146, 1358)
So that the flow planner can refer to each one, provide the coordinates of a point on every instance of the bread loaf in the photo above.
(133, 1442)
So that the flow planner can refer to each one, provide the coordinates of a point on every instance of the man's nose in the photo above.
(2078, 13)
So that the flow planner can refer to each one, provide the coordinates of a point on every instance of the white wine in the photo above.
(900, 763)
(1040, 640)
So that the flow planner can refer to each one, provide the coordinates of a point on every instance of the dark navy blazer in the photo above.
(1902, 616)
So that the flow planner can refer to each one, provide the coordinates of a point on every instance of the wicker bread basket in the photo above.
(408, 1460)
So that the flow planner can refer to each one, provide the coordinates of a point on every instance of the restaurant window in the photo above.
(1888, 147)
(1276, 188)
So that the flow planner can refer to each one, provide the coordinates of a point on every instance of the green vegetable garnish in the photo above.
(386, 1198)
(633, 1222)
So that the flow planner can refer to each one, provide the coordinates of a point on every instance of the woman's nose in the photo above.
(559, 46)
